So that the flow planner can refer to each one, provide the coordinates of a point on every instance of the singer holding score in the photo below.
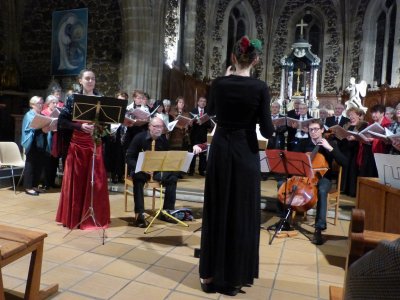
(76, 143)
(230, 237)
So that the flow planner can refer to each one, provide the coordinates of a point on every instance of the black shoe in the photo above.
(141, 221)
(190, 173)
(55, 186)
(229, 290)
(317, 237)
(202, 173)
(38, 190)
(208, 287)
(31, 193)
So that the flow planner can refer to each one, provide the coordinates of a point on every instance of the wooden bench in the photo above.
(16, 243)
(360, 242)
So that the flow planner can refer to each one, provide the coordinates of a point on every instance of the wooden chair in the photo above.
(334, 194)
(128, 188)
(360, 242)
(16, 243)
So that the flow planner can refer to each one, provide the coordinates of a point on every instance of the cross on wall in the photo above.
(301, 25)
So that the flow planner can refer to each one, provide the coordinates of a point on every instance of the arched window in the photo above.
(236, 29)
(384, 43)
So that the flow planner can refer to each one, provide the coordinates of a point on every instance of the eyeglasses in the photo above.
(158, 126)
(313, 129)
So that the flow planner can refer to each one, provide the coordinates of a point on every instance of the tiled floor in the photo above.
(160, 264)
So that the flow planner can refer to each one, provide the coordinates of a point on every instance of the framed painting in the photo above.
(69, 41)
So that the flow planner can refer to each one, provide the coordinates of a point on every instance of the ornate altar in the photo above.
(299, 74)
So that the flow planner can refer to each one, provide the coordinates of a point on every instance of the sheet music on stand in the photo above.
(163, 161)
(388, 169)
(103, 109)
(151, 161)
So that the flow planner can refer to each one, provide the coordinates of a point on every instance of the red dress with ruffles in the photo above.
(75, 196)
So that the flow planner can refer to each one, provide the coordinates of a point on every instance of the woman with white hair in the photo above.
(51, 161)
(35, 143)
(167, 109)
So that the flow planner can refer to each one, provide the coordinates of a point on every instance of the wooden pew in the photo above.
(16, 243)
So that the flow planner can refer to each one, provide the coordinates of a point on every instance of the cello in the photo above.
(302, 192)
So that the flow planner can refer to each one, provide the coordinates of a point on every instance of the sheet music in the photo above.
(55, 113)
(263, 162)
(40, 121)
(388, 169)
(262, 141)
(299, 123)
(171, 166)
(171, 125)
(278, 122)
(140, 114)
(188, 160)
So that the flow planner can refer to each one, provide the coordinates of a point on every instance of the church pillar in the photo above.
(142, 61)
(314, 84)
(282, 92)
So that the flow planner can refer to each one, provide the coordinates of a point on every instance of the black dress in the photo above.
(350, 172)
(231, 213)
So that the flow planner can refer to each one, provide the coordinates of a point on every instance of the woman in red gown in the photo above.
(77, 146)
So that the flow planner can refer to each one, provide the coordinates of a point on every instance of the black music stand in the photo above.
(97, 110)
(288, 163)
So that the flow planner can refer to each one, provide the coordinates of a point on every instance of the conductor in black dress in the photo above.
(230, 237)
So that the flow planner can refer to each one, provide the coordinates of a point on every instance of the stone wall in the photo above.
(357, 38)
(330, 60)
(103, 46)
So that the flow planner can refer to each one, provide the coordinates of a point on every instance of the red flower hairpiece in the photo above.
(244, 44)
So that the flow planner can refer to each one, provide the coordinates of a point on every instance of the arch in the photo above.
(317, 19)
(371, 68)
(332, 53)
(218, 44)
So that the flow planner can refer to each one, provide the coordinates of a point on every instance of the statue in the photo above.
(356, 90)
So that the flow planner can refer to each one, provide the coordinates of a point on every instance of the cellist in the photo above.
(331, 152)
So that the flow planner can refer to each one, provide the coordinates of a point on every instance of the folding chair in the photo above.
(10, 157)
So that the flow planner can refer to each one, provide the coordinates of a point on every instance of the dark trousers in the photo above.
(202, 163)
(168, 180)
(50, 169)
(33, 167)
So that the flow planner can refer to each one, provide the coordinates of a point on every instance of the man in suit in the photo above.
(323, 114)
(277, 141)
(198, 135)
(295, 111)
(296, 134)
(337, 118)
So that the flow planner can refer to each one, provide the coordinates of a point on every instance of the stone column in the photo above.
(282, 91)
(142, 61)
(314, 84)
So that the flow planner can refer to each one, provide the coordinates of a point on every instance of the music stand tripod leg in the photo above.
(284, 219)
(163, 212)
